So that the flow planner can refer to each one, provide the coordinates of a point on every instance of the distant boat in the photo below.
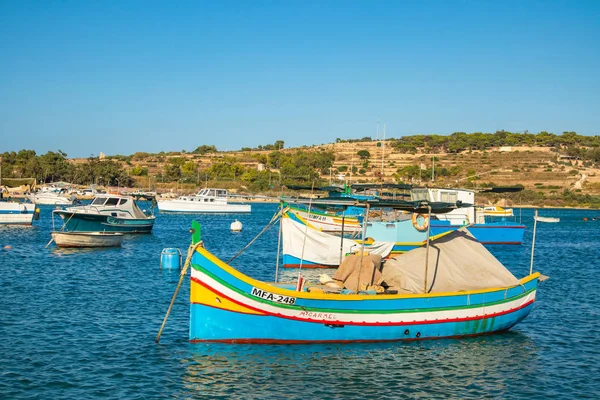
(205, 201)
(14, 213)
(51, 195)
(87, 239)
(546, 219)
(107, 213)
(495, 211)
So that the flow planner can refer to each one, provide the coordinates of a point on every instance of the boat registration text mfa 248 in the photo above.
(272, 296)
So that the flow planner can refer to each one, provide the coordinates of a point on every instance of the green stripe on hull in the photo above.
(349, 311)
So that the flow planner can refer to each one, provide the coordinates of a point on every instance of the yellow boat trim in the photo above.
(201, 295)
(307, 295)
(304, 221)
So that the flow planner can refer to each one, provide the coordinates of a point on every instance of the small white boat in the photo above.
(87, 239)
(14, 213)
(495, 211)
(205, 201)
(51, 195)
(546, 219)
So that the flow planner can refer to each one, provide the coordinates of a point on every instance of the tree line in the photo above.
(461, 141)
(54, 167)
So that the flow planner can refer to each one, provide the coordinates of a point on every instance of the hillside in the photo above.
(541, 170)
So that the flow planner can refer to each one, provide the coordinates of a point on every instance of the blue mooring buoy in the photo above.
(170, 258)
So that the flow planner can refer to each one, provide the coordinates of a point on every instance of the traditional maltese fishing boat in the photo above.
(460, 289)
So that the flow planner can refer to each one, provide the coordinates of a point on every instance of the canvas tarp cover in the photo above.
(457, 262)
(321, 247)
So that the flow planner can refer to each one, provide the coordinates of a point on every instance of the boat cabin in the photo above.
(208, 195)
(114, 205)
(460, 216)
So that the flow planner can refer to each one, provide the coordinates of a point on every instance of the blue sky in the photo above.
(127, 76)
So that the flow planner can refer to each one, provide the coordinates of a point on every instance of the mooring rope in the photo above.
(191, 251)
(266, 228)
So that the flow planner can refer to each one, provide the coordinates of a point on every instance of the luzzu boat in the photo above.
(472, 294)
(305, 245)
(346, 221)
(486, 229)
(107, 213)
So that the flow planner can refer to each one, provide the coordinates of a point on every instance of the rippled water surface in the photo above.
(82, 323)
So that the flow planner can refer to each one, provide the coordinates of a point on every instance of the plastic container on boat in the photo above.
(170, 258)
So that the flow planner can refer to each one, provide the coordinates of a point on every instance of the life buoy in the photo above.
(420, 226)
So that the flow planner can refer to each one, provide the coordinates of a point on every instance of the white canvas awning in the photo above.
(320, 247)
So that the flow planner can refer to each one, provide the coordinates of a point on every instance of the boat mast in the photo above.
(362, 247)
(427, 248)
(533, 241)
(383, 151)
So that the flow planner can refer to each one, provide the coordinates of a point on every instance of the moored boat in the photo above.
(50, 195)
(463, 291)
(107, 213)
(205, 201)
(14, 213)
(87, 239)
(546, 219)
(495, 211)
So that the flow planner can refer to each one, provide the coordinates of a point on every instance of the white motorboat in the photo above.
(51, 195)
(205, 201)
(546, 219)
(14, 213)
(107, 213)
(87, 239)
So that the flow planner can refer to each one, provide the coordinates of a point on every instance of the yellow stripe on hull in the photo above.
(201, 295)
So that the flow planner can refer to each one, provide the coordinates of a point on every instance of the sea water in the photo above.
(82, 324)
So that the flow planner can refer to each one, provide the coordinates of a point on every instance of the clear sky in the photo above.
(126, 76)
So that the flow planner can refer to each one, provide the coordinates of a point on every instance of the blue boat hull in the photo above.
(216, 325)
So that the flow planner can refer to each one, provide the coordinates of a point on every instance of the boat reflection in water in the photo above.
(483, 366)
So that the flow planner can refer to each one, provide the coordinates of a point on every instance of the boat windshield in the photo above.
(212, 193)
(98, 201)
(419, 194)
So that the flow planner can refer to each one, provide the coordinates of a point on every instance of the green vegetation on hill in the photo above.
(54, 166)
(585, 147)
(563, 168)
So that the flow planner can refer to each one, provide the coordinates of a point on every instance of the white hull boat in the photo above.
(205, 201)
(51, 196)
(13, 213)
(46, 199)
(87, 239)
(546, 219)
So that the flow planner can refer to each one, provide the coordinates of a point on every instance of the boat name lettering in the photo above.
(317, 217)
(317, 315)
(111, 220)
(272, 296)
